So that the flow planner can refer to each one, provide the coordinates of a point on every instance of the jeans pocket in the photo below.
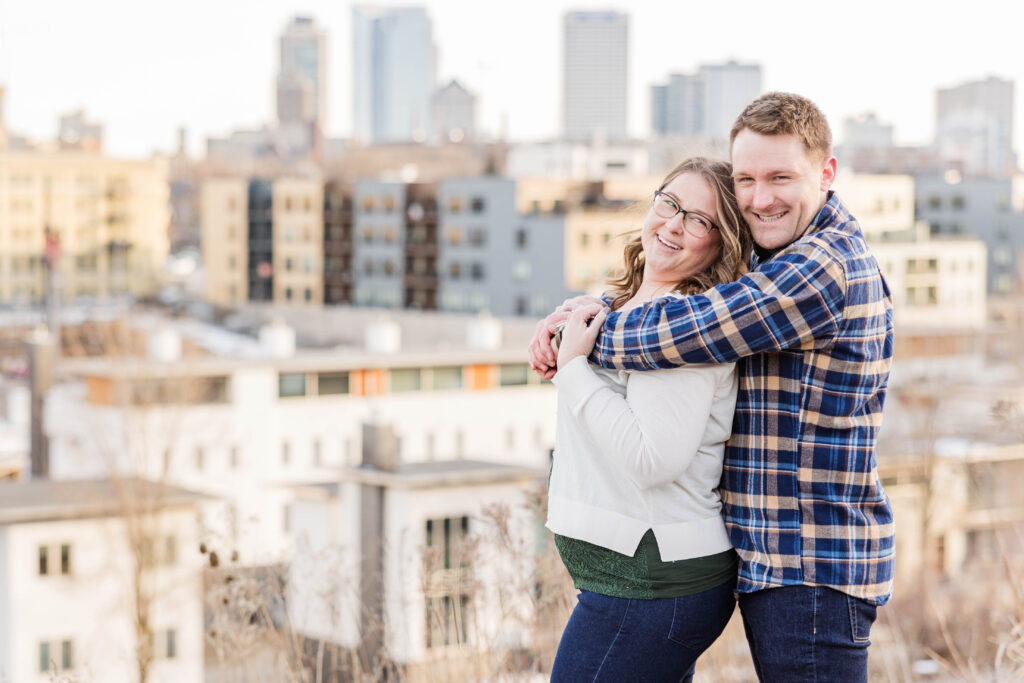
(697, 620)
(862, 615)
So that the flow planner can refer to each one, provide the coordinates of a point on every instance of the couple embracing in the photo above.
(717, 418)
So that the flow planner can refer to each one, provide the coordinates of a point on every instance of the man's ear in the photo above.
(828, 173)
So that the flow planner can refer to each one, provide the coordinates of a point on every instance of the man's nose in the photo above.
(763, 195)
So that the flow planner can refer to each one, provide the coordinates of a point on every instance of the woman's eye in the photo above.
(699, 220)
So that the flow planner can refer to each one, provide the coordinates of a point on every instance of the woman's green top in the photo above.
(644, 576)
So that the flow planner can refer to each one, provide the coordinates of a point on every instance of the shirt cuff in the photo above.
(577, 382)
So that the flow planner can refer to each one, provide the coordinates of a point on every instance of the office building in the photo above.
(454, 113)
(728, 88)
(393, 74)
(704, 104)
(595, 75)
(302, 74)
(974, 127)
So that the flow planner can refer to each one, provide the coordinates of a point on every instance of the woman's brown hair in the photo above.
(736, 240)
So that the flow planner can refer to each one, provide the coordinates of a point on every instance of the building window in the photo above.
(584, 239)
(332, 383)
(65, 559)
(510, 438)
(477, 237)
(521, 238)
(478, 205)
(447, 536)
(521, 270)
(317, 457)
(44, 563)
(291, 385)
(405, 379)
(286, 518)
(234, 457)
(447, 618)
(513, 375)
(959, 203)
(44, 657)
(307, 294)
(476, 271)
(454, 236)
(935, 202)
(447, 378)
(368, 204)
(455, 270)
(286, 453)
(288, 293)
(199, 459)
(171, 644)
(67, 655)
(455, 204)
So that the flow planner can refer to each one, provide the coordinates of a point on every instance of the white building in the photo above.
(421, 544)
(595, 75)
(559, 160)
(246, 427)
(67, 593)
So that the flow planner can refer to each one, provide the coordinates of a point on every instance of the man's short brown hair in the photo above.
(784, 113)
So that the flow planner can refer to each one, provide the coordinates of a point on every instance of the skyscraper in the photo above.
(393, 73)
(728, 88)
(454, 113)
(302, 77)
(677, 108)
(595, 83)
(704, 104)
(974, 127)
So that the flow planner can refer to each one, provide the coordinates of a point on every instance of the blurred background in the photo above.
(268, 274)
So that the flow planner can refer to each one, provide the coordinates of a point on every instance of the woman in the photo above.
(633, 498)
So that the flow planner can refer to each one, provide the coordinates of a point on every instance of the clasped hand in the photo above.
(580, 320)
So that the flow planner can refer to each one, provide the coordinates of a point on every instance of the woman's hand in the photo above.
(580, 332)
(543, 349)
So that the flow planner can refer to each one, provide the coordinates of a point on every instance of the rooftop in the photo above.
(40, 500)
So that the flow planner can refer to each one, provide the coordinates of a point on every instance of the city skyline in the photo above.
(173, 70)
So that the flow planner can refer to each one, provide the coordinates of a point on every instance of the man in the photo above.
(811, 326)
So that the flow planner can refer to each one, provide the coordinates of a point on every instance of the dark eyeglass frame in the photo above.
(696, 231)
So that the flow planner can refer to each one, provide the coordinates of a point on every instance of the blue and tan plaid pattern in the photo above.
(811, 328)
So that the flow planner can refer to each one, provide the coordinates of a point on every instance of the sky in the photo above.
(144, 69)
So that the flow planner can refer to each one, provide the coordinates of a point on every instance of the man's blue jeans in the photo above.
(807, 633)
(618, 639)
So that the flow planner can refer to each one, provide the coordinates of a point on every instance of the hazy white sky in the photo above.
(145, 68)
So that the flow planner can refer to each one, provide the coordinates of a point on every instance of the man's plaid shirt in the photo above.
(811, 328)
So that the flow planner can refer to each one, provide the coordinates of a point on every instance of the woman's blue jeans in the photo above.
(621, 639)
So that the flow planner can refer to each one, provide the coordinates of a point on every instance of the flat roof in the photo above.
(442, 474)
(37, 500)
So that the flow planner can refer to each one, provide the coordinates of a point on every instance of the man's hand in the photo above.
(543, 354)
(580, 333)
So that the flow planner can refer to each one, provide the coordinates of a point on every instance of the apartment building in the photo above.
(107, 221)
(987, 209)
(70, 585)
(455, 245)
(433, 552)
